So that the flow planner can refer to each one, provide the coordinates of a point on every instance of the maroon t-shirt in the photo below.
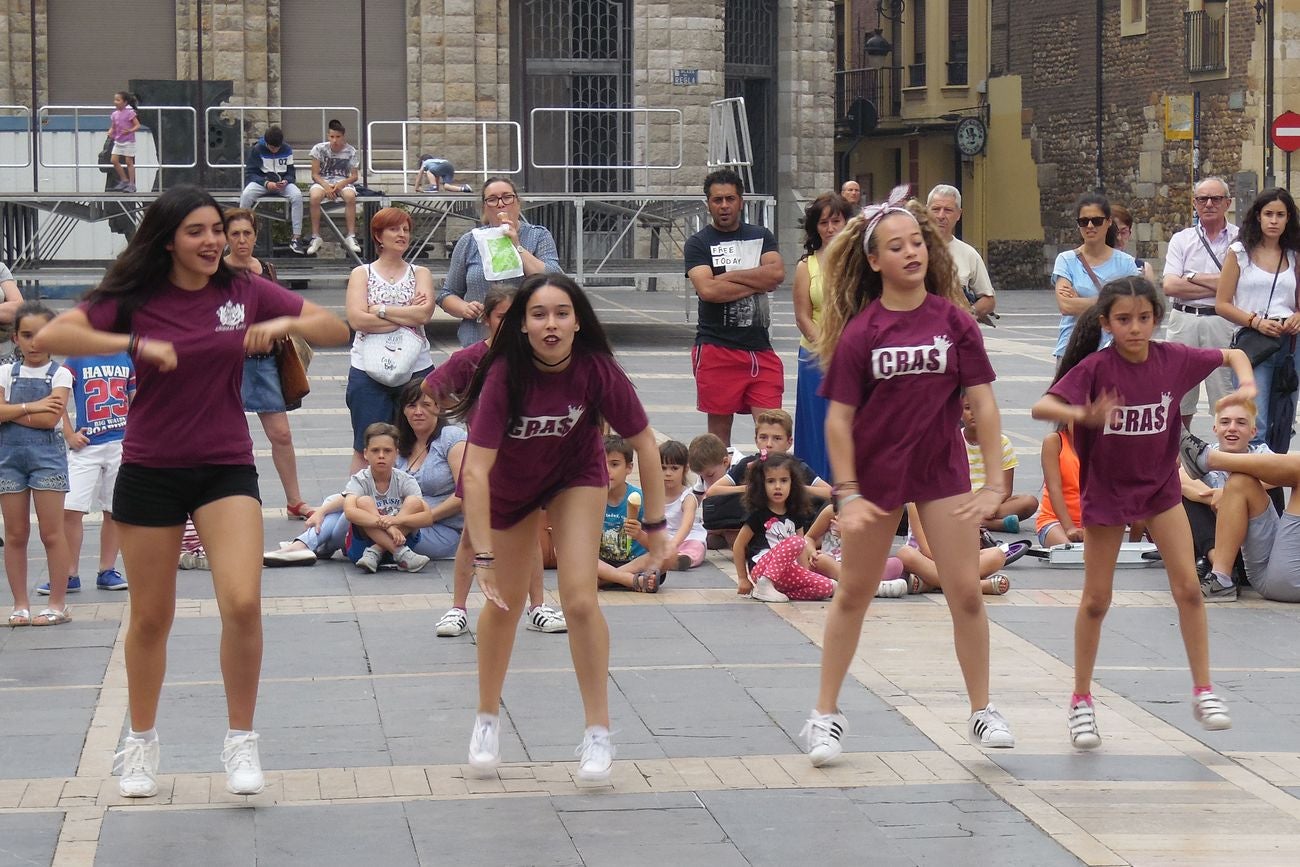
(1128, 468)
(904, 371)
(194, 415)
(453, 375)
(557, 442)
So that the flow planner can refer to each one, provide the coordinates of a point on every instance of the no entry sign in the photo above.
(1285, 131)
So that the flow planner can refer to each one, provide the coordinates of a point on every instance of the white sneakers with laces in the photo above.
(822, 733)
(988, 728)
(243, 765)
(544, 618)
(138, 765)
(595, 755)
(314, 247)
(351, 243)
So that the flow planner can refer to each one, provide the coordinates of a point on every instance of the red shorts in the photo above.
(730, 381)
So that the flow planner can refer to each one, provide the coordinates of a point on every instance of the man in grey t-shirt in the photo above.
(335, 166)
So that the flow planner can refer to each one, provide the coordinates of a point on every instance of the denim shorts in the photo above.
(37, 466)
(166, 496)
(261, 389)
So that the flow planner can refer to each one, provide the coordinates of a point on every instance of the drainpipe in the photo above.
(1101, 186)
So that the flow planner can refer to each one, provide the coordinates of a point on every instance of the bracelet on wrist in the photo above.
(848, 485)
(845, 500)
(654, 526)
(990, 488)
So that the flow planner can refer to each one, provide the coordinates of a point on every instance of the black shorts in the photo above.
(167, 496)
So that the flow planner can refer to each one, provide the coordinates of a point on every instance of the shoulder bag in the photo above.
(389, 358)
(1257, 345)
(293, 373)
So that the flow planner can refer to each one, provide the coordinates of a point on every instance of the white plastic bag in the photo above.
(501, 261)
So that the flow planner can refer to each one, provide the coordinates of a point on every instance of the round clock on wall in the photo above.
(971, 136)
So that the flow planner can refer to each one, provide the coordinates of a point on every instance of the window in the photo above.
(1132, 17)
(958, 28)
(916, 71)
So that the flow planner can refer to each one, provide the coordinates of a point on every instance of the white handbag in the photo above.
(390, 358)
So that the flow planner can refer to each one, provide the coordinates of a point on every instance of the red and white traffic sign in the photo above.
(1285, 131)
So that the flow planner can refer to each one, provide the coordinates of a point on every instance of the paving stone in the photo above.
(1099, 766)
(496, 831)
(193, 838)
(337, 835)
(29, 838)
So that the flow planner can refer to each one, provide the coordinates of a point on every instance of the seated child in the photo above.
(1014, 508)
(825, 536)
(1060, 517)
(708, 457)
(682, 510)
(774, 434)
(384, 507)
(917, 559)
(624, 560)
(772, 556)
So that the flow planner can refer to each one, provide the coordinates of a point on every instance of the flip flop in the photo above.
(20, 617)
(52, 617)
(1001, 583)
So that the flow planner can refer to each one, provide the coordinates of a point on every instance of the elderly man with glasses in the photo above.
(1192, 264)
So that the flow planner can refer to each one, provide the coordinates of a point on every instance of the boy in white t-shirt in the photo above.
(1014, 508)
(335, 166)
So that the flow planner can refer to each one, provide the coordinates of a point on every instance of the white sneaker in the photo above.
(1211, 712)
(409, 561)
(369, 559)
(822, 734)
(595, 755)
(892, 589)
(314, 247)
(1084, 734)
(352, 244)
(485, 743)
(454, 622)
(138, 763)
(243, 766)
(194, 560)
(544, 618)
(988, 728)
(765, 591)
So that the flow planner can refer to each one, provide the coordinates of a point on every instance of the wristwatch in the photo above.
(519, 248)
(1190, 276)
(382, 313)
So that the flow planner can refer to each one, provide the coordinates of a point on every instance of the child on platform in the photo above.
(1120, 400)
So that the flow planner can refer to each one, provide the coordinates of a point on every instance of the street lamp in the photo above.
(1216, 9)
(876, 47)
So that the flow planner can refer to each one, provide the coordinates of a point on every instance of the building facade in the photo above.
(478, 60)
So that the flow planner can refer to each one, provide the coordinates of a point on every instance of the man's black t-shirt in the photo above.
(743, 323)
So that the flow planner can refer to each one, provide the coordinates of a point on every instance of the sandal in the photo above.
(52, 617)
(646, 581)
(999, 584)
(299, 510)
(20, 617)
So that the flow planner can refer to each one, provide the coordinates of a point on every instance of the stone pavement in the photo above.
(365, 715)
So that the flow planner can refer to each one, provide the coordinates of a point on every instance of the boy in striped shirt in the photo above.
(1014, 508)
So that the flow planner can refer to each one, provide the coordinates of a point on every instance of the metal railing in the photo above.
(213, 119)
(151, 118)
(22, 122)
(879, 86)
(1206, 47)
(513, 134)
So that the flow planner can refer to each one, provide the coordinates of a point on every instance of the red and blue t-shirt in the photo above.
(102, 388)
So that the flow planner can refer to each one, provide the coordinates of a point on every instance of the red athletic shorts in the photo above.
(730, 381)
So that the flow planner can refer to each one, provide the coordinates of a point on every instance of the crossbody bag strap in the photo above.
(1200, 234)
(1091, 273)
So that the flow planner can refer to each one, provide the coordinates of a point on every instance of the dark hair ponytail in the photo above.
(1087, 334)
(129, 98)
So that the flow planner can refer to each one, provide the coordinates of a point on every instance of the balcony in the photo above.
(1205, 43)
(880, 87)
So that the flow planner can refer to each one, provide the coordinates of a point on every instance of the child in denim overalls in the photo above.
(34, 464)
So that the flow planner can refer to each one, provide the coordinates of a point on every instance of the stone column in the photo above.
(669, 35)
(241, 43)
(805, 113)
(16, 53)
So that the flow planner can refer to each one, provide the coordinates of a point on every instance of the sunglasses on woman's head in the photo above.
(1095, 222)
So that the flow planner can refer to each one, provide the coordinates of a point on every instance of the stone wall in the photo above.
(16, 52)
(242, 44)
(805, 113)
(1017, 264)
(1052, 45)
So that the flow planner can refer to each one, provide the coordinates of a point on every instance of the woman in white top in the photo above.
(1257, 289)
(382, 297)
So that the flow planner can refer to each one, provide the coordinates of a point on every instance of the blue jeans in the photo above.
(1264, 387)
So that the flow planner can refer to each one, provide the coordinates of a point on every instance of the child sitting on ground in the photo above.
(624, 560)
(1060, 516)
(773, 434)
(772, 556)
(824, 534)
(384, 506)
(917, 559)
(708, 457)
(1014, 508)
(681, 510)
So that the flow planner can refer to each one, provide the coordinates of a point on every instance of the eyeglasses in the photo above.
(1095, 222)
(498, 201)
(1209, 200)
